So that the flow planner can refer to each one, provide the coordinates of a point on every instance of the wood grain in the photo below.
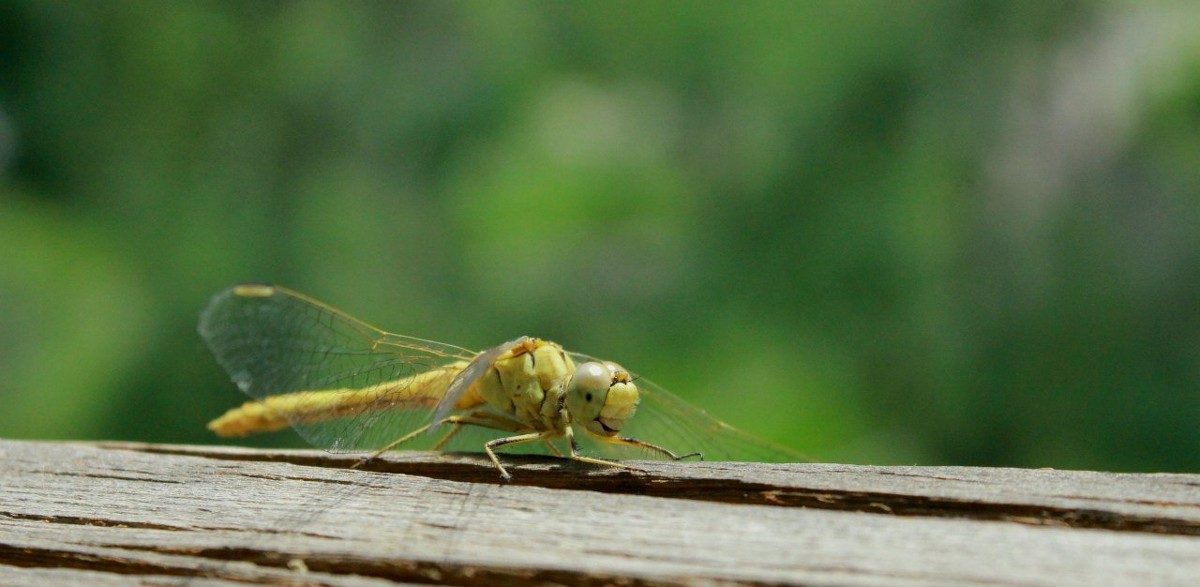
(137, 514)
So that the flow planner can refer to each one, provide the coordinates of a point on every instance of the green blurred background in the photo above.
(879, 232)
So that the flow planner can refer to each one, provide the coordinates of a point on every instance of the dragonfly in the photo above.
(347, 386)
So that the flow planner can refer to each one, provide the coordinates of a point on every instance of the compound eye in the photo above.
(589, 387)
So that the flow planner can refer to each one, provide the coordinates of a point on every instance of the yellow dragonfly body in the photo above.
(347, 386)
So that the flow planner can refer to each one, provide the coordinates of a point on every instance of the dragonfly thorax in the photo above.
(528, 382)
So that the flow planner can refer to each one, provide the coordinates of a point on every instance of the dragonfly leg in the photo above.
(481, 418)
(499, 442)
(653, 447)
(478, 418)
(449, 435)
(393, 444)
(576, 456)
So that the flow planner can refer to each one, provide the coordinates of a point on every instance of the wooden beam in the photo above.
(138, 514)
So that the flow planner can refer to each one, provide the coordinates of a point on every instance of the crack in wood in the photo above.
(422, 572)
(113, 477)
(81, 521)
(30, 557)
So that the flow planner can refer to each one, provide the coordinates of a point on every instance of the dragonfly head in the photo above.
(601, 397)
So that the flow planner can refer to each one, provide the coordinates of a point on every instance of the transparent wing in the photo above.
(277, 343)
(665, 420)
(473, 371)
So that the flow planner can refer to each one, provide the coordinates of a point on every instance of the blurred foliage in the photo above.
(918, 232)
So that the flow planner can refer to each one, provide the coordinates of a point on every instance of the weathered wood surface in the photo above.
(134, 514)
